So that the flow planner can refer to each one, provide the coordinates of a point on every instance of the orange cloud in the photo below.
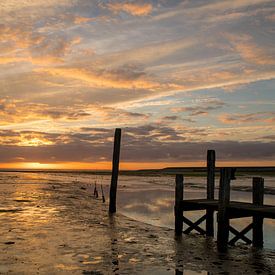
(22, 44)
(266, 117)
(251, 52)
(82, 20)
(106, 79)
(11, 59)
(271, 17)
(136, 9)
(15, 111)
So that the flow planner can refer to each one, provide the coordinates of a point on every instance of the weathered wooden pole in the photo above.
(115, 170)
(258, 199)
(178, 205)
(211, 158)
(223, 219)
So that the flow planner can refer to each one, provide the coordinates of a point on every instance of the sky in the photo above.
(179, 77)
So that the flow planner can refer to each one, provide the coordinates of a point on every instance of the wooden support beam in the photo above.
(191, 224)
(115, 170)
(223, 220)
(258, 199)
(211, 158)
(178, 205)
(240, 235)
(195, 226)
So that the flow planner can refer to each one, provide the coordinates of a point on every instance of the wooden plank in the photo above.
(195, 224)
(115, 170)
(248, 209)
(196, 227)
(178, 205)
(223, 220)
(211, 158)
(258, 199)
(240, 235)
(190, 206)
(236, 209)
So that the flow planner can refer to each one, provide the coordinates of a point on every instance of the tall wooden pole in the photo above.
(223, 219)
(115, 170)
(178, 205)
(211, 158)
(258, 199)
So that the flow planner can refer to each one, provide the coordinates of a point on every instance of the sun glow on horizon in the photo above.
(124, 165)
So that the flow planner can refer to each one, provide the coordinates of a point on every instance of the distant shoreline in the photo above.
(188, 171)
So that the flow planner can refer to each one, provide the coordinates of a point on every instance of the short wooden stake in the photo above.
(223, 219)
(258, 199)
(115, 170)
(178, 205)
(211, 158)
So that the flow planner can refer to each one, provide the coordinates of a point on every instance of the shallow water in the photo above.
(148, 199)
(50, 224)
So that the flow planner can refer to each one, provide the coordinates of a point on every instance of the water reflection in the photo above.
(115, 255)
(155, 206)
(72, 229)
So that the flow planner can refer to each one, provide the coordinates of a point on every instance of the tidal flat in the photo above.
(52, 224)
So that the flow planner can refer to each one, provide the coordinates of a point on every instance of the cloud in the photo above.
(120, 78)
(203, 109)
(144, 143)
(171, 118)
(271, 17)
(251, 52)
(133, 8)
(16, 112)
(252, 118)
(269, 137)
(70, 65)
(19, 111)
(83, 20)
(7, 6)
(24, 44)
(210, 7)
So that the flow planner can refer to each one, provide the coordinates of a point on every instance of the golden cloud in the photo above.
(249, 51)
(105, 79)
(251, 118)
(136, 9)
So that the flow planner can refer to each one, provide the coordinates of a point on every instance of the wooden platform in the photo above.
(235, 209)
(226, 209)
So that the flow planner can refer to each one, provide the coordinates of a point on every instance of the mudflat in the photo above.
(61, 228)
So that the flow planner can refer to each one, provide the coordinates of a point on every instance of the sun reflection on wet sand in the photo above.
(58, 227)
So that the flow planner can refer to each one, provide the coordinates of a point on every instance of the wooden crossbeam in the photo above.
(194, 225)
(240, 235)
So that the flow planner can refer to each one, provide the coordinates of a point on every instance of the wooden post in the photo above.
(223, 220)
(178, 205)
(211, 158)
(258, 199)
(115, 169)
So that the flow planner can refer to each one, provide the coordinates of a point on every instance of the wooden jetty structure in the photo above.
(115, 171)
(226, 209)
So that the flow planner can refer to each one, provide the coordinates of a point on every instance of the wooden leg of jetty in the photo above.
(223, 218)
(210, 191)
(178, 205)
(258, 199)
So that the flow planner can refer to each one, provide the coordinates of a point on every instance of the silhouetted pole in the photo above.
(178, 205)
(211, 158)
(258, 199)
(223, 219)
(115, 170)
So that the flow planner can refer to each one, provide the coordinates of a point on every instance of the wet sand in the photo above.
(61, 229)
